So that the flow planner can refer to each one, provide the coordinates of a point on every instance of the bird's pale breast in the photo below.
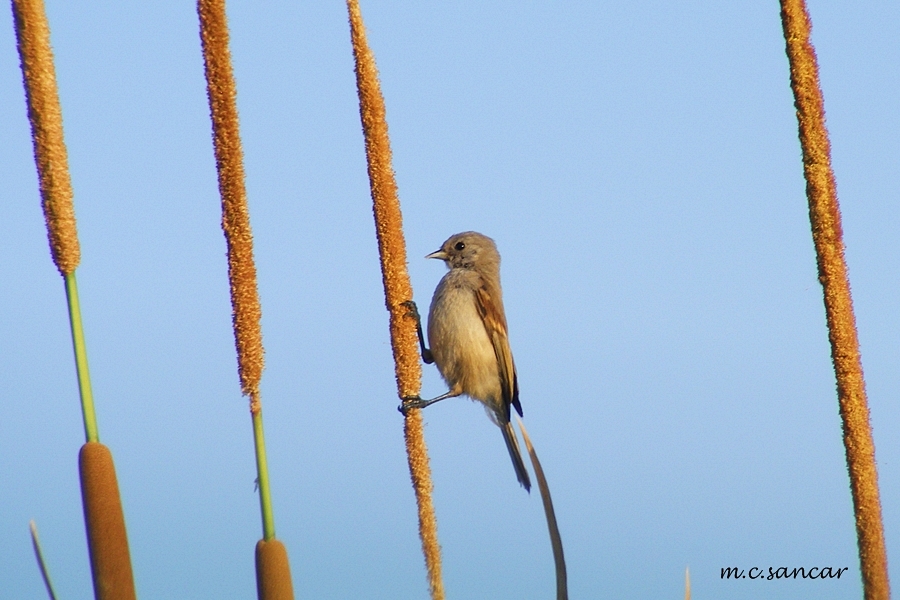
(462, 349)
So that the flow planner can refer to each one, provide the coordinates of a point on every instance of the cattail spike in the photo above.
(825, 218)
(45, 115)
(397, 287)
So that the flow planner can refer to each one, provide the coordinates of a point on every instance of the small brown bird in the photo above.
(468, 336)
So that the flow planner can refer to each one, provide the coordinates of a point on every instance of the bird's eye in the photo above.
(459, 245)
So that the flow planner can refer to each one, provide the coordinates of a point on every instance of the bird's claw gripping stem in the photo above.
(411, 309)
(408, 403)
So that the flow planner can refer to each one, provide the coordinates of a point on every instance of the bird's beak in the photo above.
(439, 254)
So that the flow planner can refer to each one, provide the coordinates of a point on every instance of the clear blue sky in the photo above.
(637, 164)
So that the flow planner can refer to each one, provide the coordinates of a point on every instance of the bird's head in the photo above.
(468, 250)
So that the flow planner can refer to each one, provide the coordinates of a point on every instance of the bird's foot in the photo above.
(412, 310)
(411, 402)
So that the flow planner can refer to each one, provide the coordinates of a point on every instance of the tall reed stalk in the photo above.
(397, 286)
(825, 218)
(104, 520)
(273, 575)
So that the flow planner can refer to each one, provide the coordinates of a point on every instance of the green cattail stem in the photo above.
(262, 470)
(81, 362)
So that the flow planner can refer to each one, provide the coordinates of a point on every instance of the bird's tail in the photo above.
(562, 586)
(512, 444)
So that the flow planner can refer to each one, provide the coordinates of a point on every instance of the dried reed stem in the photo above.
(825, 217)
(42, 563)
(397, 287)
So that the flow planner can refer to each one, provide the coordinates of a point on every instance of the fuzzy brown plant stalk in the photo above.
(45, 114)
(222, 94)
(104, 520)
(397, 287)
(273, 575)
(825, 217)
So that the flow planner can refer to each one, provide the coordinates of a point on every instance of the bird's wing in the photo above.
(491, 311)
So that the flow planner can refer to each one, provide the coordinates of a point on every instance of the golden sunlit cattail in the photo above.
(397, 287)
(246, 311)
(273, 575)
(104, 520)
(45, 114)
(825, 217)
